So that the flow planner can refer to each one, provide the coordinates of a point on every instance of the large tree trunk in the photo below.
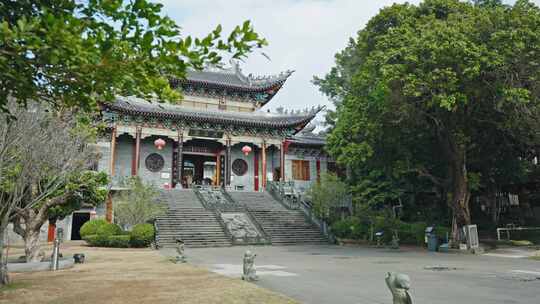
(32, 246)
(30, 233)
(460, 194)
(4, 276)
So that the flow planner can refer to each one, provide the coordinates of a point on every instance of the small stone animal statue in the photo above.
(79, 258)
(399, 285)
(250, 274)
(394, 244)
(180, 257)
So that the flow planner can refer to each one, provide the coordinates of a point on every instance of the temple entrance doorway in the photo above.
(201, 163)
(79, 218)
(198, 170)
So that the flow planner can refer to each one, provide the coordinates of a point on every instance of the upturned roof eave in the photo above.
(296, 122)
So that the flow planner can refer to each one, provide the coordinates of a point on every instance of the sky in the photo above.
(303, 35)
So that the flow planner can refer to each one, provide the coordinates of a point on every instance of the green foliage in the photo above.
(409, 233)
(327, 193)
(112, 241)
(425, 92)
(85, 188)
(108, 230)
(118, 241)
(76, 53)
(91, 227)
(96, 240)
(142, 235)
(138, 204)
(350, 228)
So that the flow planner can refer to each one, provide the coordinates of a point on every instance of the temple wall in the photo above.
(163, 176)
(104, 156)
(124, 156)
(247, 180)
(300, 184)
(65, 224)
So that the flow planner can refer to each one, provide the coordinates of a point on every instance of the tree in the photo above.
(446, 76)
(330, 192)
(74, 54)
(138, 205)
(79, 53)
(46, 177)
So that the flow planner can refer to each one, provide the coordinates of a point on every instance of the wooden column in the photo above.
(263, 155)
(217, 182)
(137, 153)
(113, 152)
(255, 168)
(318, 164)
(51, 232)
(282, 161)
(180, 162)
(109, 208)
(228, 163)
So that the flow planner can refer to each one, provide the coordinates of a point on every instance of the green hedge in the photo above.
(409, 233)
(105, 234)
(91, 227)
(118, 241)
(142, 235)
(109, 229)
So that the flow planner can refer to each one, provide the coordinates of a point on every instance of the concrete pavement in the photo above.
(334, 274)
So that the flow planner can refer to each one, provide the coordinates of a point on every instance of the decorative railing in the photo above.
(216, 212)
(258, 226)
(218, 201)
(285, 193)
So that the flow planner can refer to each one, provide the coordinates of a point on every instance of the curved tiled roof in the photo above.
(308, 140)
(233, 80)
(138, 107)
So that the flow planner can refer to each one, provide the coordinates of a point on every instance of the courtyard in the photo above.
(335, 274)
(129, 276)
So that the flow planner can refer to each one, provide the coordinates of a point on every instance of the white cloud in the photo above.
(302, 35)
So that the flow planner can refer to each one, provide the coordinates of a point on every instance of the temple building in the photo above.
(218, 135)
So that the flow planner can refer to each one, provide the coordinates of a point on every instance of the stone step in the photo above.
(188, 219)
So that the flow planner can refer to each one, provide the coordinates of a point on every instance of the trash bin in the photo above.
(431, 239)
(433, 242)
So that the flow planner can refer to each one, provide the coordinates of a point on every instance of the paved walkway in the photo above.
(334, 274)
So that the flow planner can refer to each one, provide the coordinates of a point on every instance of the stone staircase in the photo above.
(188, 219)
(284, 226)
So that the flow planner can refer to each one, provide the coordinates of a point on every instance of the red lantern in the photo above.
(246, 150)
(159, 143)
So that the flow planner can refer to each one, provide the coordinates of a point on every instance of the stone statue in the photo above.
(180, 257)
(394, 244)
(399, 285)
(249, 269)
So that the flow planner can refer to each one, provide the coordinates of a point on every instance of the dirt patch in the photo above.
(131, 276)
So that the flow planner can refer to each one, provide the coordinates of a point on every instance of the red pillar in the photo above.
(109, 209)
(318, 163)
(136, 153)
(256, 168)
(51, 232)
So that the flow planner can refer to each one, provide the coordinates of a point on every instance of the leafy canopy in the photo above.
(425, 92)
(78, 53)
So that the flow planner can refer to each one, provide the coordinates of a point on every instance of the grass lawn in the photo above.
(130, 276)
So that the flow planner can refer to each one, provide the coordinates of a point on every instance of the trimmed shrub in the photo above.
(108, 230)
(141, 235)
(118, 241)
(91, 227)
(96, 240)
